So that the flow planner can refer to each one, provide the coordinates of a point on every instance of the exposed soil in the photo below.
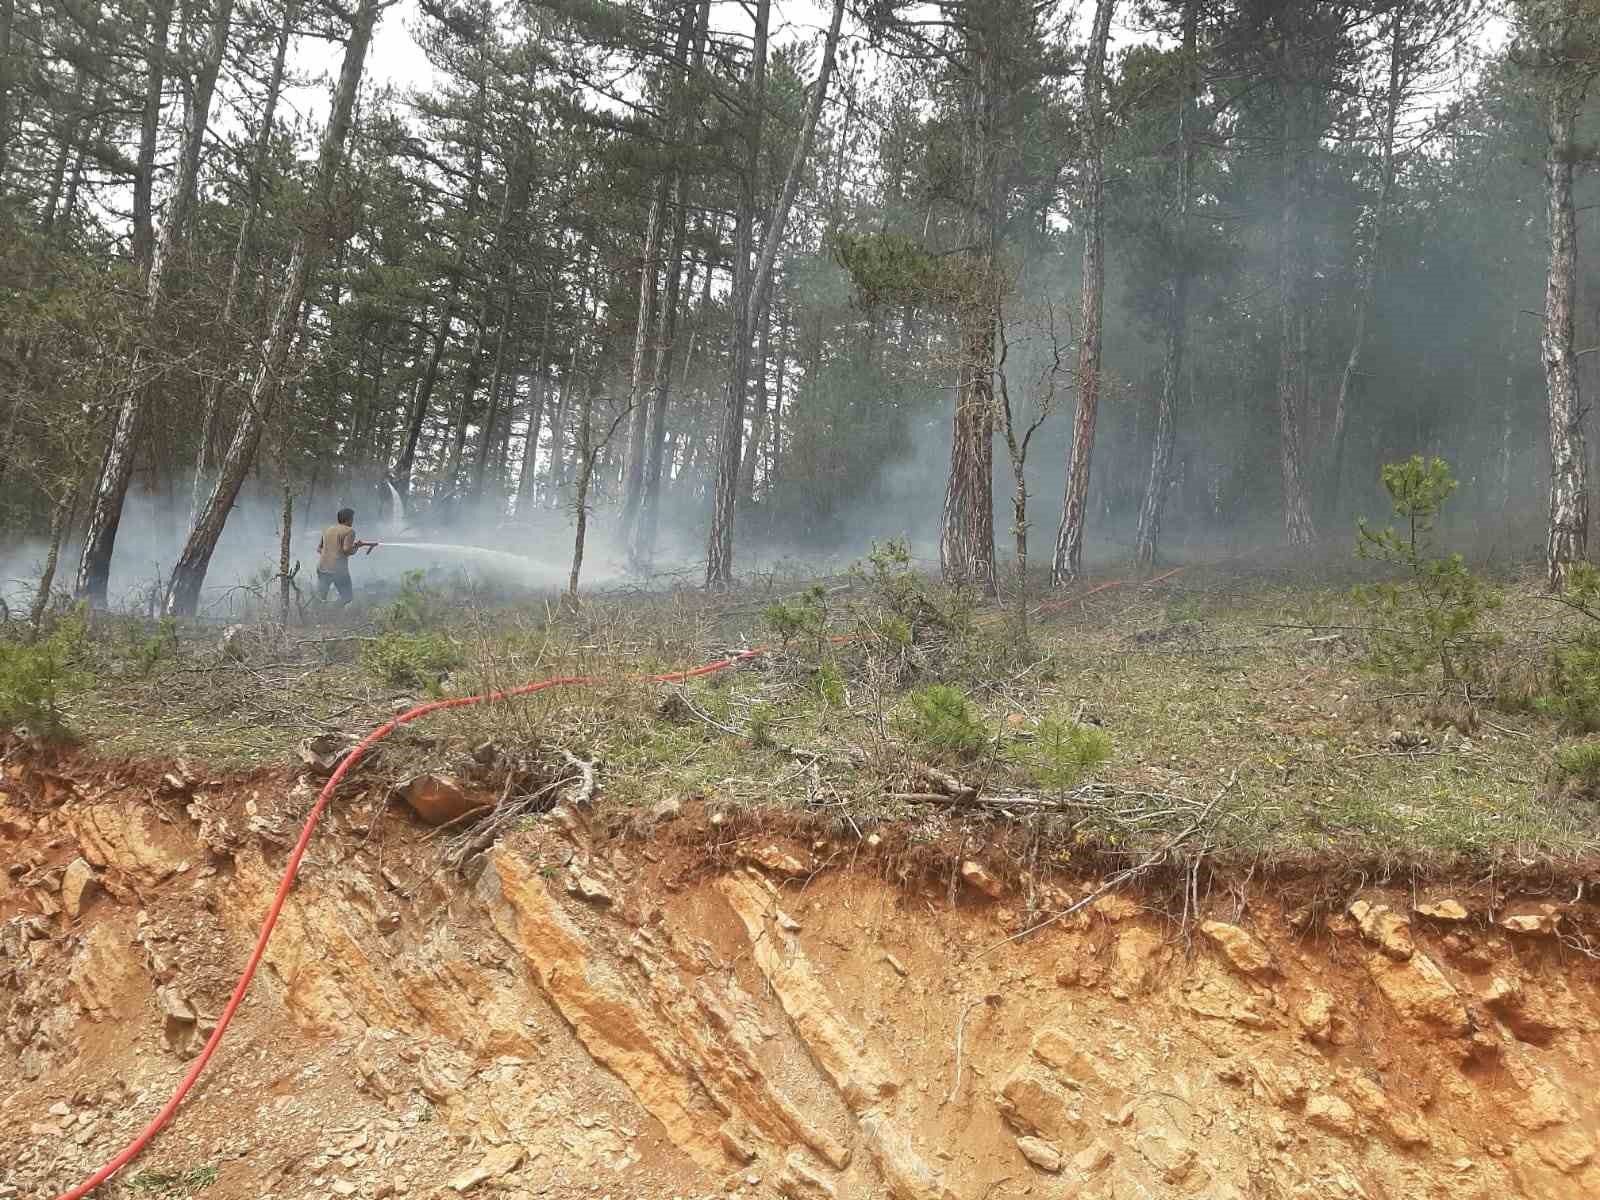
(682, 1005)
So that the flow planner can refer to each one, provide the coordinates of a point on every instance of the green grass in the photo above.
(1241, 696)
(152, 1182)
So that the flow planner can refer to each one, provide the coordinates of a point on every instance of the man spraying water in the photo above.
(334, 550)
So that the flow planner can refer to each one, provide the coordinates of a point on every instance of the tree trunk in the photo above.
(174, 229)
(497, 376)
(639, 414)
(758, 424)
(1569, 493)
(1299, 528)
(585, 455)
(183, 591)
(966, 540)
(753, 297)
(441, 335)
(1068, 562)
(210, 409)
(1160, 480)
(1369, 271)
(144, 240)
(7, 17)
(719, 551)
(536, 390)
(285, 531)
(60, 518)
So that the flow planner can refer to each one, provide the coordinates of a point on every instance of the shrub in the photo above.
(417, 607)
(411, 659)
(1060, 752)
(1580, 762)
(35, 676)
(148, 646)
(943, 719)
(1573, 690)
(805, 616)
(1430, 616)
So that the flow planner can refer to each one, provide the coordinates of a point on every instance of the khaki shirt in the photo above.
(338, 543)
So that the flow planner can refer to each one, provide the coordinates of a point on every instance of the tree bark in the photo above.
(183, 591)
(285, 532)
(1160, 479)
(758, 424)
(639, 416)
(174, 229)
(719, 551)
(581, 499)
(536, 392)
(256, 182)
(60, 518)
(1569, 493)
(1369, 269)
(1299, 528)
(8, 10)
(1068, 562)
(719, 557)
(144, 240)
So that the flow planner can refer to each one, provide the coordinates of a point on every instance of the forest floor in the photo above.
(1234, 698)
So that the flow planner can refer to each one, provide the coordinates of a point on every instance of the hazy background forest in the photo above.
(736, 281)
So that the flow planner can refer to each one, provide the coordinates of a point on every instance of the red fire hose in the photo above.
(128, 1152)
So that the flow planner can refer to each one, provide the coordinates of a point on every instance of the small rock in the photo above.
(439, 799)
(738, 1141)
(588, 888)
(323, 752)
(1332, 1114)
(974, 875)
(1040, 1153)
(1384, 927)
(502, 1160)
(60, 1109)
(343, 1187)
(667, 810)
(873, 841)
(1442, 910)
(1540, 920)
(779, 861)
(787, 923)
(1315, 1016)
(899, 967)
(1096, 1156)
(1525, 1013)
(76, 883)
(1239, 947)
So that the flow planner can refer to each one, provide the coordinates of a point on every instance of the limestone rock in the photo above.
(439, 799)
(1138, 956)
(1418, 990)
(502, 1160)
(323, 751)
(1533, 920)
(1568, 1151)
(1035, 1103)
(105, 970)
(906, 1174)
(1385, 928)
(1526, 1014)
(667, 810)
(1094, 1157)
(1442, 910)
(586, 887)
(76, 883)
(775, 858)
(975, 876)
(1240, 948)
(799, 1180)
(1040, 1153)
(1070, 1064)
(738, 1140)
(1328, 1112)
(1315, 1016)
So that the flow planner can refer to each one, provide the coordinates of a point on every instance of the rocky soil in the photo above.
(590, 1008)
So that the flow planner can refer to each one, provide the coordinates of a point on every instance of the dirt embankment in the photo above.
(590, 1014)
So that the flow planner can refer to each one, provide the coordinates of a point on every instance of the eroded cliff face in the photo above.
(595, 1016)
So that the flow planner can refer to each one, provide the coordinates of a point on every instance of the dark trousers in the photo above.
(339, 580)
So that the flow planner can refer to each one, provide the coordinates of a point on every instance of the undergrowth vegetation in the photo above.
(1415, 719)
